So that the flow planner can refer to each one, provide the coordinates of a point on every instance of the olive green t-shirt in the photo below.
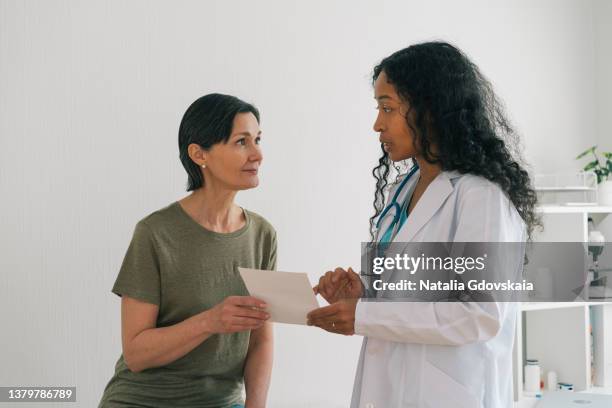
(175, 263)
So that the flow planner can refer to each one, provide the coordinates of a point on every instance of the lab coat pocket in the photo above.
(441, 390)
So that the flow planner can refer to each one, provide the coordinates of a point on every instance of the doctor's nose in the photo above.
(378, 125)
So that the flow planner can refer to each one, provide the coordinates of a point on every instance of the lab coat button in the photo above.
(369, 405)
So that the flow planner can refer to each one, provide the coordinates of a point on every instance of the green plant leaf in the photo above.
(607, 155)
(592, 165)
(590, 150)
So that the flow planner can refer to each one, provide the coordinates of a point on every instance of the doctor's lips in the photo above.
(386, 145)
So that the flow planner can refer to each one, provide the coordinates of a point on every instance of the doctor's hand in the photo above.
(338, 317)
(339, 284)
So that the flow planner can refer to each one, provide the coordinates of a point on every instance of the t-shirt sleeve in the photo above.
(271, 264)
(139, 274)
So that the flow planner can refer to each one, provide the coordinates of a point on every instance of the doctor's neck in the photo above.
(427, 171)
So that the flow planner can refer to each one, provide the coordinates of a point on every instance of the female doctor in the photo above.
(465, 185)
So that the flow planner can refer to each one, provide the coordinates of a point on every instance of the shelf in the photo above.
(532, 402)
(569, 188)
(525, 307)
(598, 390)
(558, 334)
(560, 209)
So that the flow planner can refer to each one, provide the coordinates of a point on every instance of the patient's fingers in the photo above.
(246, 301)
(242, 311)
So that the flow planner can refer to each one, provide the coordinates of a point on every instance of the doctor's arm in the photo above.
(443, 323)
(483, 217)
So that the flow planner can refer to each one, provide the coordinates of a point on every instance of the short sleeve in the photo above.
(139, 274)
(271, 264)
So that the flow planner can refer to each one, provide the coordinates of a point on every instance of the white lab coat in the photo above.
(442, 354)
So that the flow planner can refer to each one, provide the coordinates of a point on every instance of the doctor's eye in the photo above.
(241, 141)
(385, 108)
(258, 140)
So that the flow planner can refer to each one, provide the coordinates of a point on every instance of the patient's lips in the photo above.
(251, 170)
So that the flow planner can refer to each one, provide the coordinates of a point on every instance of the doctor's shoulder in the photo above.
(484, 212)
(478, 190)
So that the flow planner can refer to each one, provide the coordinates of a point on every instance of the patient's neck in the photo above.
(214, 208)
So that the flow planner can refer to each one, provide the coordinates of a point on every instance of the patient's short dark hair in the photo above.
(206, 122)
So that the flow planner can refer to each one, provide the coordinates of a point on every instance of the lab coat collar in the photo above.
(452, 174)
(432, 199)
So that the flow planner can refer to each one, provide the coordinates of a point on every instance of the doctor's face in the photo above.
(395, 135)
(234, 164)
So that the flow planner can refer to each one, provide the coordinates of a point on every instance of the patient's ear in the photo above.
(197, 154)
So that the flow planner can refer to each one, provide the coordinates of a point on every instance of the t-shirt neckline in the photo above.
(201, 228)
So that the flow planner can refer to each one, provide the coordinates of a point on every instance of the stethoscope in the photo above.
(399, 211)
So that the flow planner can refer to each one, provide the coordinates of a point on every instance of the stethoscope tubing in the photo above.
(393, 203)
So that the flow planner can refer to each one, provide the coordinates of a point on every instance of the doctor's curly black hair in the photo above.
(455, 108)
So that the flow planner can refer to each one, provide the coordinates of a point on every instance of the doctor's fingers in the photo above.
(337, 326)
(352, 275)
(338, 274)
(331, 282)
(324, 286)
(323, 312)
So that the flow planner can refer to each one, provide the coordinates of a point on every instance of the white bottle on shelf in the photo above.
(532, 377)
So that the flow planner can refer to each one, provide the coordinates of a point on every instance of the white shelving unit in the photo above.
(529, 306)
(559, 334)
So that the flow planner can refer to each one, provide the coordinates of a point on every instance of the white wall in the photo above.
(91, 95)
(602, 13)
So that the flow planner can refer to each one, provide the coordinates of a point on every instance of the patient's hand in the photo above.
(339, 284)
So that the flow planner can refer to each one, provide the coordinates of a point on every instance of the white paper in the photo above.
(289, 295)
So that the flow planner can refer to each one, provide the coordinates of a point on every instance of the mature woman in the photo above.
(464, 185)
(191, 336)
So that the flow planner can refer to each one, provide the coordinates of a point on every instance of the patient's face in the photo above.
(394, 133)
(235, 164)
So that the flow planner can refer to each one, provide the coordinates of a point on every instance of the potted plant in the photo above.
(603, 172)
